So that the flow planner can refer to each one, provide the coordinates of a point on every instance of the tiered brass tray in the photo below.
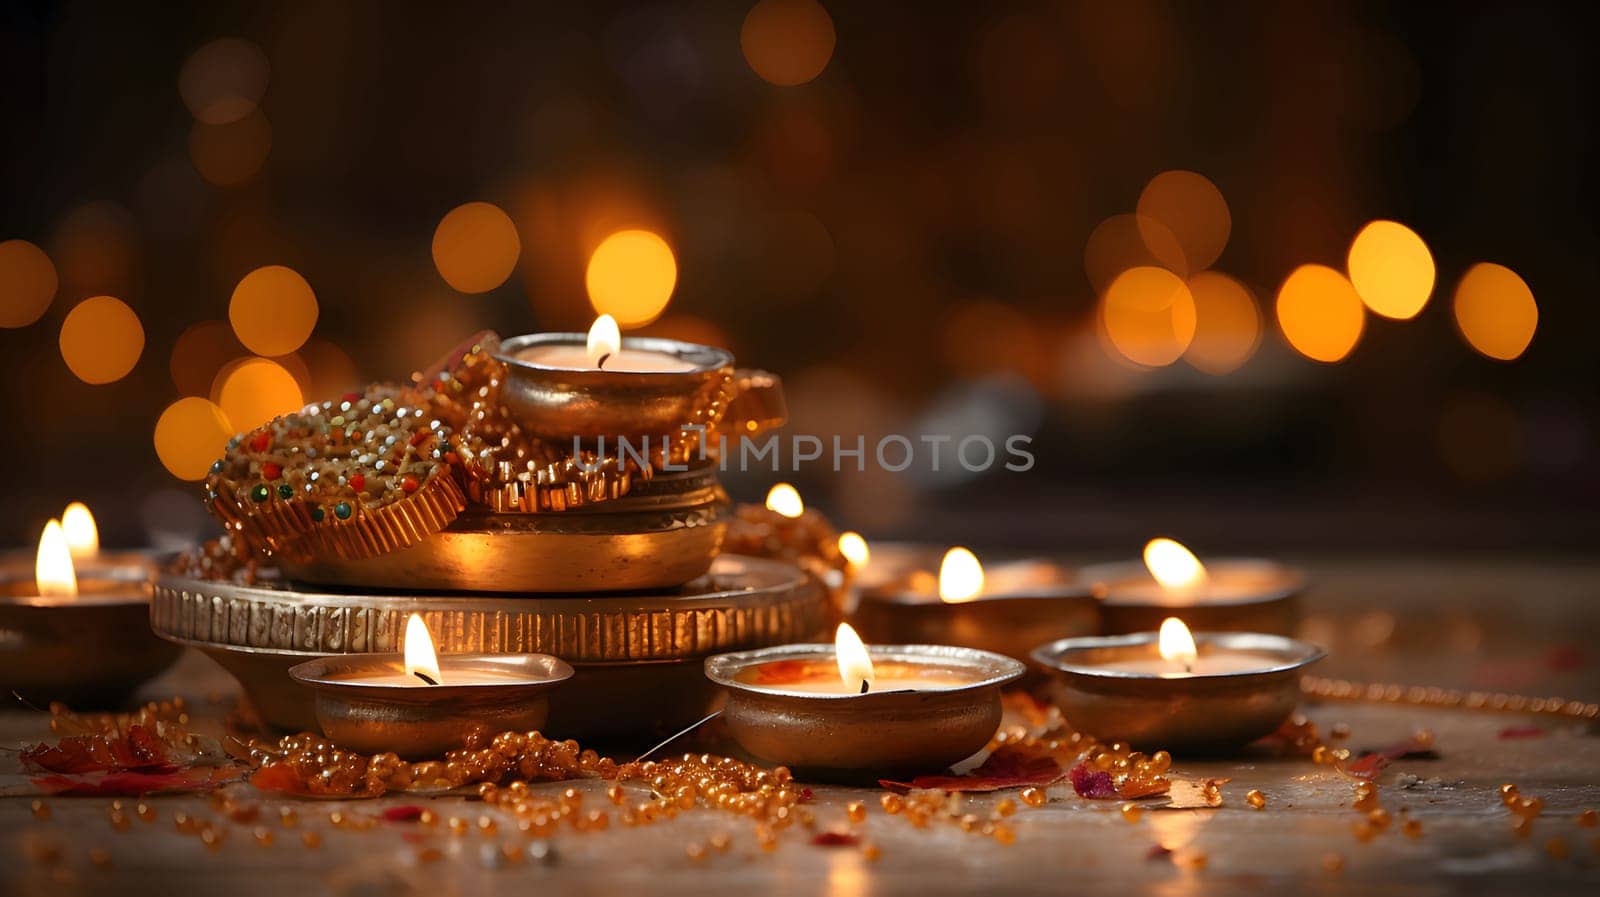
(638, 655)
(663, 532)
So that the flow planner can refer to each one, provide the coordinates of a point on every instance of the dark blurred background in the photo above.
(915, 212)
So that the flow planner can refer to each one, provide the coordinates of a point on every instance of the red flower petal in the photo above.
(1521, 732)
(835, 839)
(278, 777)
(1005, 768)
(1095, 784)
(407, 813)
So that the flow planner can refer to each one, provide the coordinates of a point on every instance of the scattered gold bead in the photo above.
(856, 811)
(458, 826)
(487, 826)
(145, 812)
(1333, 862)
(1005, 834)
(870, 852)
(1588, 819)
(720, 842)
(892, 803)
(1339, 730)
(428, 817)
(1363, 831)
(263, 836)
(696, 852)
(1522, 826)
(119, 820)
(616, 795)
(1005, 807)
(1131, 812)
(211, 838)
(1508, 794)
(311, 840)
(1528, 807)
(1411, 828)
(1380, 819)
(1256, 799)
(1034, 797)
(41, 810)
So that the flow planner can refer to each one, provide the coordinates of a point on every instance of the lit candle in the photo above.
(421, 667)
(604, 350)
(854, 548)
(851, 673)
(83, 537)
(1222, 594)
(1180, 657)
(784, 500)
(53, 574)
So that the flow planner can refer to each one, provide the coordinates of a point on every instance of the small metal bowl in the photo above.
(93, 650)
(1047, 601)
(855, 738)
(562, 403)
(1202, 713)
(1244, 595)
(422, 721)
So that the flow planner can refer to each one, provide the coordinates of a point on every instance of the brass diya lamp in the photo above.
(79, 639)
(1007, 608)
(418, 704)
(844, 712)
(1204, 693)
(1220, 595)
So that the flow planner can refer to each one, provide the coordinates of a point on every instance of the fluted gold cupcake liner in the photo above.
(401, 524)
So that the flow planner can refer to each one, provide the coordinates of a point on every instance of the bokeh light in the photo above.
(27, 283)
(101, 339)
(190, 434)
(96, 251)
(1193, 210)
(1495, 311)
(787, 42)
(989, 337)
(1149, 316)
(475, 247)
(1320, 314)
(1126, 241)
(1391, 269)
(257, 390)
(1227, 323)
(272, 311)
(331, 371)
(232, 153)
(199, 353)
(631, 276)
(224, 80)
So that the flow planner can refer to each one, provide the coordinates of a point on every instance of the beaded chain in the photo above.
(1329, 689)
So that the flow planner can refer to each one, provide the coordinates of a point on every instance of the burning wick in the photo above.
(424, 677)
(1176, 643)
(855, 664)
(865, 685)
(601, 363)
(605, 340)
(421, 660)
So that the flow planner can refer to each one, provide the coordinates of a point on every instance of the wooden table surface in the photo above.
(1509, 625)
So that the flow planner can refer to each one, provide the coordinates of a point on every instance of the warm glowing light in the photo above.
(631, 276)
(257, 390)
(101, 339)
(202, 350)
(95, 248)
(787, 42)
(1174, 566)
(1495, 311)
(605, 339)
(272, 311)
(1149, 316)
(475, 247)
(1126, 241)
(83, 537)
(1193, 211)
(1177, 643)
(960, 576)
(52, 567)
(1391, 269)
(785, 499)
(224, 80)
(190, 434)
(1320, 313)
(231, 154)
(1227, 327)
(855, 664)
(28, 282)
(421, 660)
(854, 548)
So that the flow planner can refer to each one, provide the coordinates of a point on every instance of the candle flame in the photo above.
(960, 576)
(83, 537)
(605, 339)
(52, 568)
(854, 548)
(1176, 642)
(855, 664)
(785, 499)
(421, 660)
(1174, 566)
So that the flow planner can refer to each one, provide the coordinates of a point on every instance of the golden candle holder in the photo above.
(1240, 595)
(854, 737)
(637, 655)
(92, 649)
(1203, 713)
(363, 703)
